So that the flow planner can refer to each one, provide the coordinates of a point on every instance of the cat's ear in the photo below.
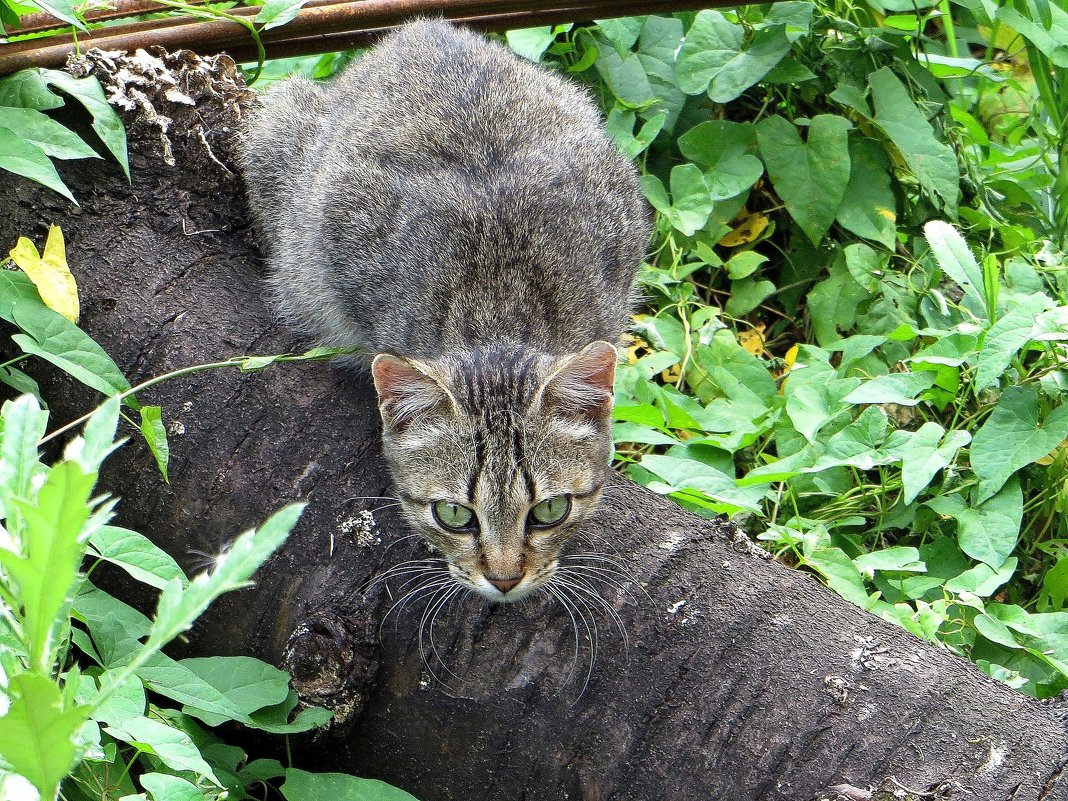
(581, 384)
(407, 391)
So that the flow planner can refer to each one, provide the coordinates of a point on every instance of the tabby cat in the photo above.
(459, 215)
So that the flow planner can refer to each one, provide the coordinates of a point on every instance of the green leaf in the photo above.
(634, 432)
(137, 555)
(899, 388)
(712, 57)
(106, 121)
(1054, 587)
(247, 683)
(925, 454)
(164, 787)
(126, 703)
(28, 89)
(745, 263)
(840, 573)
(746, 295)
(62, 9)
(275, 13)
(173, 746)
(724, 149)
(690, 203)
(1051, 39)
(98, 437)
(957, 261)
(28, 160)
(531, 43)
(278, 719)
(625, 77)
(37, 735)
(986, 531)
(24, 424)
(688, 474)
(898, 558)
(811, 177)
(982, 580)
(1013, 437)
(867, 267)
(933, 163)
(47, 569)
(303, 786)
(814, 396)
(38, 129)
(56, 339)
(155, 434)
(869, 208)
(179, 606)
(19, 381)
(1007, 336)
(620, 126)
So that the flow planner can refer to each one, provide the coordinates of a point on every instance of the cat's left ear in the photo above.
(581, 385)
(407, 390)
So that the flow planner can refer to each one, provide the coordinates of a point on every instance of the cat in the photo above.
(459, 215)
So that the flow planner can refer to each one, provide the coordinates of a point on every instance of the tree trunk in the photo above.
(741, 680)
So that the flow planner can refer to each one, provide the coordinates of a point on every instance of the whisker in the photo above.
(431, 586)
(429, 626)
(552, 591)
(591, 630)
(401, 569)
(616, 567)
(614, 579)
(622, 582)
(399, 541)
(384, 506)
(578, 585)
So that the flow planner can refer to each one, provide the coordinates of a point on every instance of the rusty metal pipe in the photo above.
(37, 23)
(496, 23)
(322, 19)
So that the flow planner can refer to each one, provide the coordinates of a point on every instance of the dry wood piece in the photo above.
(740, 679)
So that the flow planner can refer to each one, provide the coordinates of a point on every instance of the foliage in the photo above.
(853, 335)
(876, 392)
(30, 139)
(87, 697)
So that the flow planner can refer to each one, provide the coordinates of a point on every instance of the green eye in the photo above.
(453, 516)
(550, 511)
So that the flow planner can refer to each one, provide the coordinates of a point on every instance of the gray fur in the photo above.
(451, 204)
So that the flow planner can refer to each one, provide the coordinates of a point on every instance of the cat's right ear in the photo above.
(406, 391)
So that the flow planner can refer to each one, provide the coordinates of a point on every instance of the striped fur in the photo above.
(460, 212)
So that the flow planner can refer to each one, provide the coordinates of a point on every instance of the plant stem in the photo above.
(234, 361)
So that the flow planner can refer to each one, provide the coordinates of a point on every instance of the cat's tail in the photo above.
(271, 151)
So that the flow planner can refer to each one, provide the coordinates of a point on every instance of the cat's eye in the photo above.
(453, 516)
(550, 511)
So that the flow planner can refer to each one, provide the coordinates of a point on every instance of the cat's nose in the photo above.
(504, 583)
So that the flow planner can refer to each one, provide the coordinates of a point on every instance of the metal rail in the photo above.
(320, 26)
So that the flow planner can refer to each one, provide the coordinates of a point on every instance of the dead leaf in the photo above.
(49, 272)
(747, 230)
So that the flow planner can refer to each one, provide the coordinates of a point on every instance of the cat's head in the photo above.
(498, 458)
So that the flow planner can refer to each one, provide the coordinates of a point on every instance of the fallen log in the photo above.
(740, 679)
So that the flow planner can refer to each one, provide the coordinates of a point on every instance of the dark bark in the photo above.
(743, 679)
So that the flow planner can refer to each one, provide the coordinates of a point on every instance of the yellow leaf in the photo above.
(672, 374)
(789, 357)
(752, 340)
(749, 229)
(49, 272)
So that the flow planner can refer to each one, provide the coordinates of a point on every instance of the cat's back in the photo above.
(441, 192)
(435, 90)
